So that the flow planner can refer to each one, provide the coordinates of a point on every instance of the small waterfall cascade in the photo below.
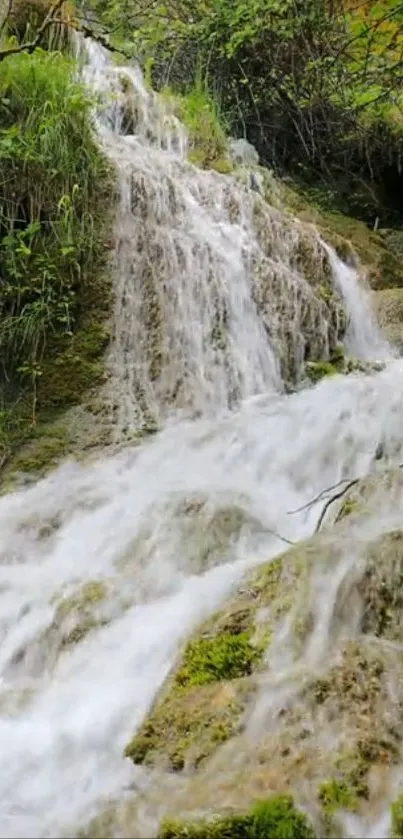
(107, 568)
(219, 296)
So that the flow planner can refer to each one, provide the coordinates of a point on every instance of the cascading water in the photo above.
(219, 295)
(105, 569)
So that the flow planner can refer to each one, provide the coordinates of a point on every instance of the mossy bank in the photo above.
(57, 203)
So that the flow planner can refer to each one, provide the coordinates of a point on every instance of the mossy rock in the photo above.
(319, 318)
(388, 306)
(79, 613)
(348, 695)
(203, 702)
(190, 725)
(277, 818)
(350, 238)
(316, 370)
(75, 432)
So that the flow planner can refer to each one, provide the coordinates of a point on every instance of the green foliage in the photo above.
(317, 91)
(396, 811)
(53, 187)
(275, 817)
(225, 656)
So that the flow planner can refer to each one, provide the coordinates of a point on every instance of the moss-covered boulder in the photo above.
(203, 702)
(296, 685)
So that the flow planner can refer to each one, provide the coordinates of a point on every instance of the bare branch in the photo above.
(32, 45)
(282, 538)
(334, 498)
(319, 497)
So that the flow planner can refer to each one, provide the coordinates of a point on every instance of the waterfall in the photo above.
(106, 568)
(219, 295)
(363, 339)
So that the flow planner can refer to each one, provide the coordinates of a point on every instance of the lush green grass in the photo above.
(200, 112)
(55, 195)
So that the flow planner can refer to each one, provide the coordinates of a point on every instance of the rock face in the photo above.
(243, 153)
(388, 304)
(296, 685)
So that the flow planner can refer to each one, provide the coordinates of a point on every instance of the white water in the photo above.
(143, 521)
(362, 338)
(217, 292)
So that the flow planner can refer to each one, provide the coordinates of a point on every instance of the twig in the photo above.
(334, 498)
(340, 495)
(318, 497)
(279, 536)
(89, 33)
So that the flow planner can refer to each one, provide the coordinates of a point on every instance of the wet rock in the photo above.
(388, 305)
(320, 715)
(242, 152)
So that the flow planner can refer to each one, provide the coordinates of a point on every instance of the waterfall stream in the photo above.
(158, 534)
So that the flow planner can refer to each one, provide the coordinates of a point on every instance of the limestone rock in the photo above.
(242, 152)
(388, 304)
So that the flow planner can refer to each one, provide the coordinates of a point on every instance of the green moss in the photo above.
(226, 656)
(40, 456)
(316, 370)
(396, 811)
(382, 588)
(337, 357)
(89, 594)
(349, 506)
(202, 704)
(354, 768)
(336, 795)
(275, 817)
(222, 165)
(189, 725)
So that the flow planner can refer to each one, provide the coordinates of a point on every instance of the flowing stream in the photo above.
(106, 568)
